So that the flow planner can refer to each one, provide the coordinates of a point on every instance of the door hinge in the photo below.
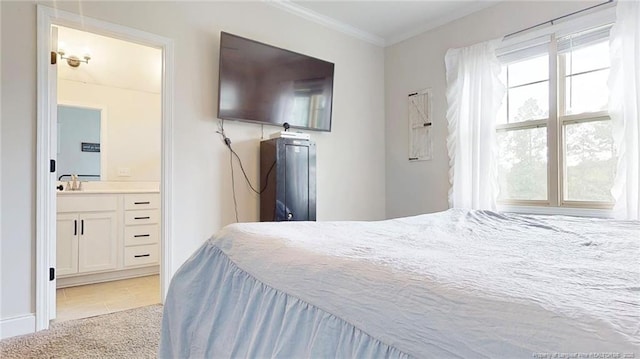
(54, 58)
(52, 274)
(52, 166)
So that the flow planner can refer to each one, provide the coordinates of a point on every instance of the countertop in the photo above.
(109, 187)
(107, 191)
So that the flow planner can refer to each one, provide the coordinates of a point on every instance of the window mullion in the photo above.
(522, 125)
(554, 131)
(507, 99)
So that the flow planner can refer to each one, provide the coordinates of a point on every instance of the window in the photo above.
(555, 144)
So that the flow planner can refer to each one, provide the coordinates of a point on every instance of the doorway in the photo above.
(100, 267)
(112, 262)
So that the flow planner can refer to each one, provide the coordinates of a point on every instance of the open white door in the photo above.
(53, 150)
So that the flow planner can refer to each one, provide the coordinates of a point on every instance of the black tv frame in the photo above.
(266, 122)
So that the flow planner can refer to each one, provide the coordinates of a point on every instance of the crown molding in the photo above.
(443, 20)
(327, 21)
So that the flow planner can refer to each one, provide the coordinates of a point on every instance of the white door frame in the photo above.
(45, 190)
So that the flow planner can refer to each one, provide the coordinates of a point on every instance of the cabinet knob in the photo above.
(289, 216)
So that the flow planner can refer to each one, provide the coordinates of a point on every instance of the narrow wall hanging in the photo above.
(420, 146)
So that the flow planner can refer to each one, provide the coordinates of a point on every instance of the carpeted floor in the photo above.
(132, 333)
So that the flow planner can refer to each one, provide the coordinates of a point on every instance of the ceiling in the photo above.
(122, 64)
(383, 23)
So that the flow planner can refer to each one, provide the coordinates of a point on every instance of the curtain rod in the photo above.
(557, 18)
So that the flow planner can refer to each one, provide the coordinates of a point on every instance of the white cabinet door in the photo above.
(67, 244)
(97, 242)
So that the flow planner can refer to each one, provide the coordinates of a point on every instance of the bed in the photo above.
(453, 284)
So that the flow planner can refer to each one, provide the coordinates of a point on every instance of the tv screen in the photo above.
(265, 84)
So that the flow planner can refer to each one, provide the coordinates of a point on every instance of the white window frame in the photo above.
(572, 119)
(555, 122)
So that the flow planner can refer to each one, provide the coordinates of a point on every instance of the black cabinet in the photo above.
(288, 170)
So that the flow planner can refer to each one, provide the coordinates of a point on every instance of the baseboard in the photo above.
(106, 276)
(11, 327)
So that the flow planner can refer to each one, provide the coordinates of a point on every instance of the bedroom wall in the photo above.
(350, 159)
(418, 63)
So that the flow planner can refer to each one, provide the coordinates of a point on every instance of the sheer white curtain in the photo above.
(624, 104)
(474, 94)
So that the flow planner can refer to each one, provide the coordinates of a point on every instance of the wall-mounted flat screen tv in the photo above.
(268, 85)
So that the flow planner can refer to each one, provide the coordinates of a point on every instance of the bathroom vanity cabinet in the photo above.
(141, 229)
(106, 236)
(84, 242)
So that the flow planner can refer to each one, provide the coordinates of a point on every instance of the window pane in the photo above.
(528, 71)
(590, 161)
(502, 113)
(530, 102)
(522, 164)
(588, 58)
(586, 92)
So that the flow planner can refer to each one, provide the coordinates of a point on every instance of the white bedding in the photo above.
(450, 284)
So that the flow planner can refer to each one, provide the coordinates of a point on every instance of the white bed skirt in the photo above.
(237, 316)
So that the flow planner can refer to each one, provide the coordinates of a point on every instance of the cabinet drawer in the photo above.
(143, 234)
(148, 216)
(142, 201)
(141, 255)
(86, 203)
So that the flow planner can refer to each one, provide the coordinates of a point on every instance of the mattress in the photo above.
(456, 284)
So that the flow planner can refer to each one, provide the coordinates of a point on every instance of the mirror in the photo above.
(79, 143)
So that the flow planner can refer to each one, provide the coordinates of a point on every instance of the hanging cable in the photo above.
(233, 187)
(227, 142)
(232, 153)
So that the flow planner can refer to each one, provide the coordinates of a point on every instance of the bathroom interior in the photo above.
(109, 170)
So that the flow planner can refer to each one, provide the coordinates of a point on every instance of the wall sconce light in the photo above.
(73, 60)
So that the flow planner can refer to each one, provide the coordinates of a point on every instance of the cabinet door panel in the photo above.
(296, 183)
(97, 242)
(66, 244)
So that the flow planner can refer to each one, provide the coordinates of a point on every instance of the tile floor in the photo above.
(102, 298)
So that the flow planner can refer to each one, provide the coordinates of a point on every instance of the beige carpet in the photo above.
(132, 333)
